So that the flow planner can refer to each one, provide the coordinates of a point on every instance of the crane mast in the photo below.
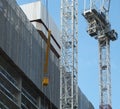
(96, 13)
(69, 55)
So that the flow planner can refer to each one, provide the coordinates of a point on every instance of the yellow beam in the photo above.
(47, 53)
(45, 80)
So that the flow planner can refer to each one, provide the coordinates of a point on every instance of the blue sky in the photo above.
(88, 53)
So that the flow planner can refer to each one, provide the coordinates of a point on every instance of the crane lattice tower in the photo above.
(96, 13)
(69, 55)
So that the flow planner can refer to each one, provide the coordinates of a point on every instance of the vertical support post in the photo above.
(20, 87)
(39, 102)
(91, 4)
(84, 5)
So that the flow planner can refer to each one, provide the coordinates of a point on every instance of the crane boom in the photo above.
(69, 55)
(99, 27)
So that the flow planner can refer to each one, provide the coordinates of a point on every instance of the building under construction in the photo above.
(23, 38)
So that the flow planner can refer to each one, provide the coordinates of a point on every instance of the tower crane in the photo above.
(96, 14)
(69, 54)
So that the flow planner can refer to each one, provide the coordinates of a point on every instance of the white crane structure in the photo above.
(96, 13)
(69, 55)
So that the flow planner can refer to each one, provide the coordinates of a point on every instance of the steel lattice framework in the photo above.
(105, 74)
(69, 55)
(96, 13)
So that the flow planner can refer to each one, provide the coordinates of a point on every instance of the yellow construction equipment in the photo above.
(45, 81)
